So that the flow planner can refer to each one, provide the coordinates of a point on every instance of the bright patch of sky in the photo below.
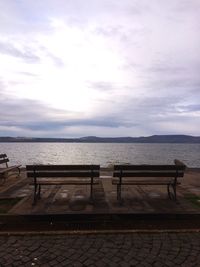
(105, 68)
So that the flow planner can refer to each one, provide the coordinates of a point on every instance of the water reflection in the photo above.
(100, 153)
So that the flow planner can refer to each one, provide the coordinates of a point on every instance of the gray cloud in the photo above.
(102, 86)
(25, 54)
(27, 73)
(164, 69)
(52, 124)
(33, 116)
(150, 112)
(190, 108)
(152, 86)
(56, 60)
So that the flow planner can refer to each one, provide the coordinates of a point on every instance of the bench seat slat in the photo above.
(142, 182)
(66, 182)
(62, 167)
(57, 174)
(3, 156)
(148, 167)
(148, 174)
(3, 170)
(4, 161)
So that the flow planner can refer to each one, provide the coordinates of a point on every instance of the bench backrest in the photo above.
(4, 159)
(42, 171)
(149, 171)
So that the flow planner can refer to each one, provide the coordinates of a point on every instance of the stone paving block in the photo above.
(122, 264)
(158, 264)
(147, 264)
(179, 260)
(25, 259)
(116, 259)
(54, 263)
(169, 263)
(189, 264)
(60, 258)
(77, 264)
(103, 254)
(88, 262)
(151, 259)
(27, 264)
(132, 262)
(65, 263)
(2, 261)
(82, 258)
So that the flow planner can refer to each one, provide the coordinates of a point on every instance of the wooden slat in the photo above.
(4, 161)
(63, 174)
(180, 163)
(65, 182)
(9, 168)
(148, 167)
(3, 156)
(142, 182)
(148, 174)
(62, 167)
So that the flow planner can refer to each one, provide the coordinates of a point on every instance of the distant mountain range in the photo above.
(95, 139)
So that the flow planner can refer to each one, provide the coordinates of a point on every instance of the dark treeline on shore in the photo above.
(95, 139)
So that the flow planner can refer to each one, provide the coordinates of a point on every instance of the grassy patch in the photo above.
(7, 203)
(195, 200)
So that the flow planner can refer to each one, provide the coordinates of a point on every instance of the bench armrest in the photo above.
(179, 163)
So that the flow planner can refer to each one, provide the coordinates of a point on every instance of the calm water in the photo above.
(98, 153)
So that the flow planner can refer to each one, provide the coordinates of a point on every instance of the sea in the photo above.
(105, 154)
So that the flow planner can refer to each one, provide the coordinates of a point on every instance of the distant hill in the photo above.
(95, 139)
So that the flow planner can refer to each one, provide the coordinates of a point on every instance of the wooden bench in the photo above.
(168, 175)
(4, 171)
(62, 175)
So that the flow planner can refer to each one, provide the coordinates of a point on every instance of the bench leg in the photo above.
(119, 193)
(13, 172)
(19, 170)
(37, 190)
(91, 192)
(174, 189)
(35, 195)
(168, 191)
(2, 179)
(172, 195)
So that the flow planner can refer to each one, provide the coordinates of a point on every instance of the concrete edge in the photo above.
(98, 232)
(79, 216)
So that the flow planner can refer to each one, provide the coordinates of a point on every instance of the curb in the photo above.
(98, 232)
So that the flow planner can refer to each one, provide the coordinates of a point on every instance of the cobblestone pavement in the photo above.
(134, 249)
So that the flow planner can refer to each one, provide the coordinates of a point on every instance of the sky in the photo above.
(74, 68)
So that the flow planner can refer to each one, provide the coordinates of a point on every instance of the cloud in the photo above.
(25, 53)
(102, 85)
(27, 73)
(190, 108)
(150, 115)
(35, 118)
(99, 67)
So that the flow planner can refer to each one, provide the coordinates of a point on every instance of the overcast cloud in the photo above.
(107, 68)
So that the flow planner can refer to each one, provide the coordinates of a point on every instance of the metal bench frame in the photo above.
(68, 174)
(7, 169)
(171, 173)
